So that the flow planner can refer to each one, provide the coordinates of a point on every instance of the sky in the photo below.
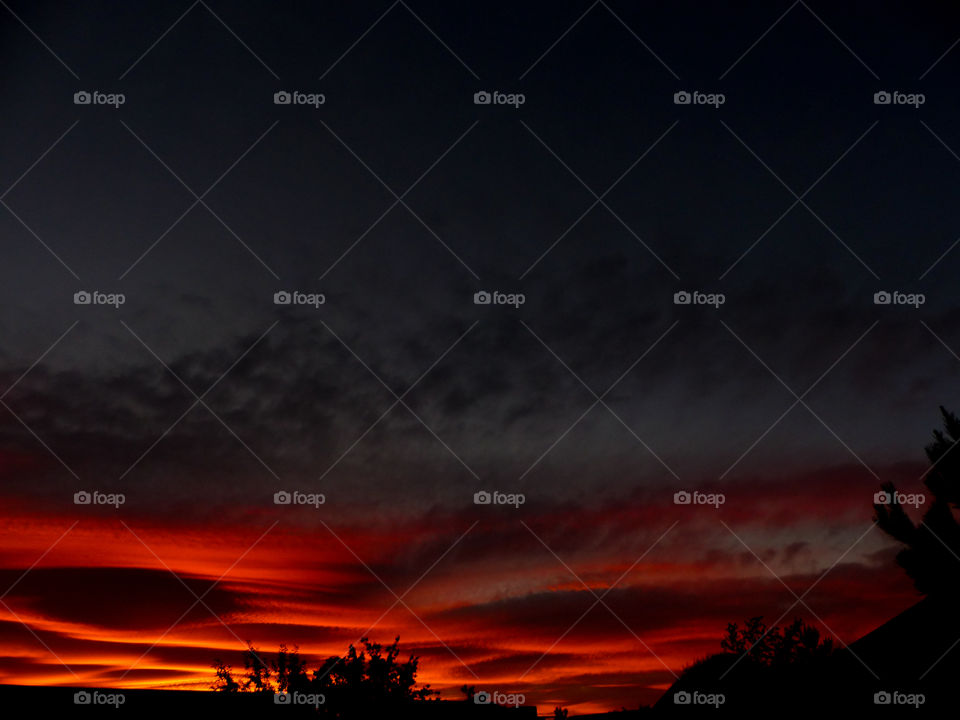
(399, 397)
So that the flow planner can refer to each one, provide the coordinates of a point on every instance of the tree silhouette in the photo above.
(932, 549)
(758, 666)
(794, 644)
(224, 681)
(374, 675)
(290, 670)
(257, 678)
(355, 684)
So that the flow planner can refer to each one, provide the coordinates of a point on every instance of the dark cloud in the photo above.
(116, 598)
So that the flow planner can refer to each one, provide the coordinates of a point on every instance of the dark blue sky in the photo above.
(702, 198)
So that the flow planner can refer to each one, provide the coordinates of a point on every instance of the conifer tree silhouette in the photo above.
(932, 547)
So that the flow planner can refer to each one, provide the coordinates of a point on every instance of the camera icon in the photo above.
(482, 298)
(682, 298)
(882, 298)
(82, 98)
(682, 698)
(882, 698)
(682, 497)
(882, 98)
(282, 98)
(482, 498)
(282, 498)
(482, 698)
(82, 698)
(282, 298)
(682, 98)
(882, 498)
(281, 698)
(482, 98)
(82, 298)
(82, 498)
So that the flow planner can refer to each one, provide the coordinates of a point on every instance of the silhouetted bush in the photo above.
(353, 685)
